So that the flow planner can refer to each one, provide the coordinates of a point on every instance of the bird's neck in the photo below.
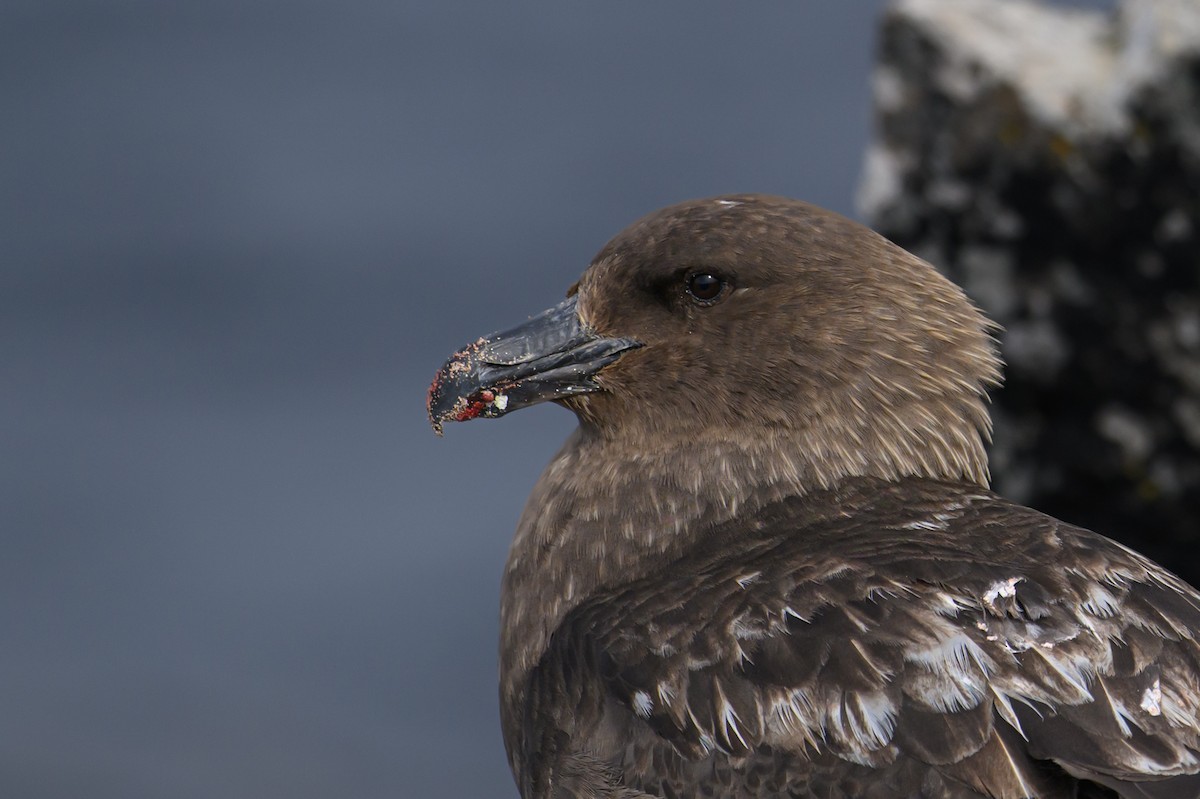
(604, 513)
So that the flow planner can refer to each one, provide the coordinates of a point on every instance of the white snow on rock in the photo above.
(1074, 69)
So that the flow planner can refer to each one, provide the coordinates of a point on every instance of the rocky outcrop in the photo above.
(1049, 160)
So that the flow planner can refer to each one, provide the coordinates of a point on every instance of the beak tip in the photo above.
(434, 401)
(454, 396)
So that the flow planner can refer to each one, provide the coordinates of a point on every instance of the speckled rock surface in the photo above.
(1049, 160)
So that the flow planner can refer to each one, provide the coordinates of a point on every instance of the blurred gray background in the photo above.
(236, 241)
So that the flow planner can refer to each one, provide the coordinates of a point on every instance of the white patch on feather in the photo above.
(642, 704)
(1074, 669)
(953, 692)
(730, 723)
(957, 672)
(866, 719)
(949, 605)
(748, 630)
(953, 653)
(1152, 698)
(665, 650)
(747, 580)
(1099, 602)
(795, 713)
(926, 524)
(666, 694)
(1001, 588)
(787, 611)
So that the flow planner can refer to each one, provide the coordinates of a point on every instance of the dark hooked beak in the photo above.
(552, 356)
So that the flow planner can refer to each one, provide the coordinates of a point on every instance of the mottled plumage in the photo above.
(767, 564)
(870, 641)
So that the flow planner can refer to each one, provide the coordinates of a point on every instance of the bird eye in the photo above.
(704, 287)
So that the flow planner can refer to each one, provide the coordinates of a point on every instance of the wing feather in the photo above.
(1003, 653)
